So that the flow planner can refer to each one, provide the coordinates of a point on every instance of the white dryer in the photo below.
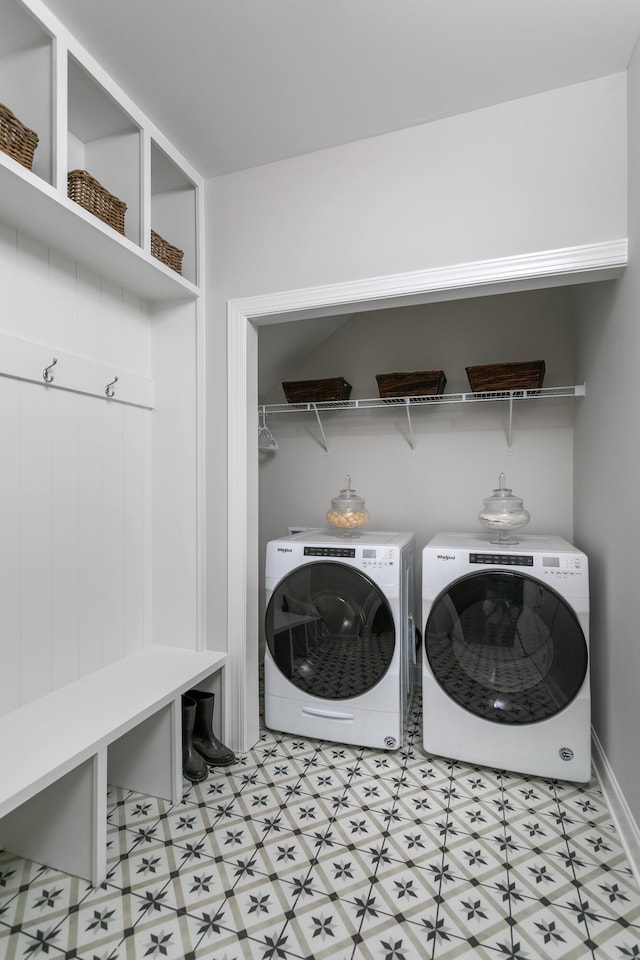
(505, 669)
(339, 629)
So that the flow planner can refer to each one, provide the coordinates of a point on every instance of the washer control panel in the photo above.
(376, 557)
(330, 552)
(502, 559)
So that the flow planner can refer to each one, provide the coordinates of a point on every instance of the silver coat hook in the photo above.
(109, 391)
(47, 376)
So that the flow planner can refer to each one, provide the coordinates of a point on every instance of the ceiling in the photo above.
(240, 83)
(235, 84)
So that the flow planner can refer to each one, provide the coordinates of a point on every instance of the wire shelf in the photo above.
(542, 393)
(412, 403)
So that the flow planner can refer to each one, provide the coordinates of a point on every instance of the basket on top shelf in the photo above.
(420, 383)
(527, 375)
(165, 252)
(17, 140)
(316, 391)
(90, 194)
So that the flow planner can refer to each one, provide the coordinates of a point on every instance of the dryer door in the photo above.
(330, 630)
(506, 647)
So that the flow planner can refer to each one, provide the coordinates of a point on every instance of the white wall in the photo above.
(534, 174)
(543, 172)
(607, 472)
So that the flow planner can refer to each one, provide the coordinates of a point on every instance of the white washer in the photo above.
(340, 636)
(505, 667)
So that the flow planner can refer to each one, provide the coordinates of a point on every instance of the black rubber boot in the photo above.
(205, 741)
(193, 766)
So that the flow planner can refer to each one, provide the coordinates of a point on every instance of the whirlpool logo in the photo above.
(446, 556)
(285, 549)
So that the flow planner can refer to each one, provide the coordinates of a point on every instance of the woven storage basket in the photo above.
(316, 391)
(528, 375)
(15, 139)
(90, 194)
(420, 383)
(162, 250)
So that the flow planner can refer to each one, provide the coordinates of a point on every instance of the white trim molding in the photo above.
(549, 268)
(627, 828)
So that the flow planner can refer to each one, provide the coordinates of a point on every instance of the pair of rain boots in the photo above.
(200, 746)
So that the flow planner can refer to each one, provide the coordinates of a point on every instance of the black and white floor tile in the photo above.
(318, 850)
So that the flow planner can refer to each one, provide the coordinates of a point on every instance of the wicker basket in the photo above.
(316, 391)
(165, 252)
(420, 383)
(15, 139)
(528, 375)
(90, 194)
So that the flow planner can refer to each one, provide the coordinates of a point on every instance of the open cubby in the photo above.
(105, 141)
(26, 70)
(173, 208)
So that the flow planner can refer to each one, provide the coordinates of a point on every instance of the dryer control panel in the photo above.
(502, 559)
(563, 566)
(378, 557)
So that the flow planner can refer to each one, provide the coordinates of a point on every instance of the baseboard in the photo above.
(620, 813)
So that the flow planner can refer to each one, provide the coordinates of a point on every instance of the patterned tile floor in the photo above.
(316, 850)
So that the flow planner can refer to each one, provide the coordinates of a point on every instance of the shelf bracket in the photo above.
(412, 442)
(324, 439)
(510, 429)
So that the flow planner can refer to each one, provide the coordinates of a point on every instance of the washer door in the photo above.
(506, 647)
(330, 630)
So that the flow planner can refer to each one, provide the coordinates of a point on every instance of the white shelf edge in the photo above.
(34, 207)
(496, 396)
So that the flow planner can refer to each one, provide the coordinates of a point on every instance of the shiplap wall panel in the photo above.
(10, 554)
(64, 480)
(64, 537)
(88, 313)
(9, 279)
(90, 479)
(75, 483)
(35, 540)
(33, 290)
(63, 297)
(136, 425)
(113, 532)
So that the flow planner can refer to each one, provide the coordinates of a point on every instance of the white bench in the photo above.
(119, 725)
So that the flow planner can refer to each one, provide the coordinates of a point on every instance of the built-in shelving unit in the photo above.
(84, 121)
(101, 374)
(267, 441)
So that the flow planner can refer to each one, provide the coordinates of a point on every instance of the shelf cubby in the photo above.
(173, 208)
(106, 142)
(26, 86)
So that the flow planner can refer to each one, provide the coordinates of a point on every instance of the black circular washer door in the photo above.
(330, 630)
(506, 647)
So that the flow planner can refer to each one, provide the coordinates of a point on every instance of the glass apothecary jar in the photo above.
(503, 513)
(347, 512)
